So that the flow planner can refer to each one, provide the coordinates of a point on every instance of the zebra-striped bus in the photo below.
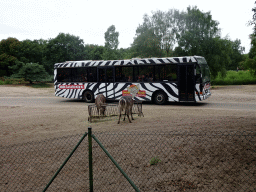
(149, 79)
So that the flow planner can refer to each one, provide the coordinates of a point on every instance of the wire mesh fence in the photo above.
(154, 161)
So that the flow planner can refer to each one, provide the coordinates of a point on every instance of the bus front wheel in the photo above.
(160, 98)
(88, 97)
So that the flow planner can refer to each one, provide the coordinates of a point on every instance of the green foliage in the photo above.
(235, 78)
(11, 80)
(250, 62)
(156, 36)
(251, 65)
(236, 55)
(31, 72)
(198, 34)
(154, 160)
(93, 52)
(195, 30)
(111, 43)
(111, 38)
(32, 51)
(8, 54)
(42, 85)
(64, 47)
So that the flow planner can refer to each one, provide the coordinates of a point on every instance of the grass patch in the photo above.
(154, 160)
(21, 81)
(42, 85)
(10, 81)
(235, 78)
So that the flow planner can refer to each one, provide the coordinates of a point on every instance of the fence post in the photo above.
(116, 164)
(70, 155)
(90, 158)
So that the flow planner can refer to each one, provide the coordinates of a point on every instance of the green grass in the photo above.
(235, 78)
(11, 81)
(42, 85)
(154, 160)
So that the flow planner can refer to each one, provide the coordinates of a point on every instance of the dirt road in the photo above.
(34, 114)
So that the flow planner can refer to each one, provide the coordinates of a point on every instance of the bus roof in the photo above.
(135, 61)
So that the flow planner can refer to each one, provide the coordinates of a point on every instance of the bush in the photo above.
(235, 78)
(31, 72)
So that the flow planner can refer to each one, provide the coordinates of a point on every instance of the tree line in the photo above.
(162, 34)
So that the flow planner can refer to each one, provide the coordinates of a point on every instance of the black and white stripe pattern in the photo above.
(114, 90)
(126, 62)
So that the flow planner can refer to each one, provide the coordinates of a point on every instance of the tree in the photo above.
(8, 54)
(251, 60)
(94, 52)
(237, 54)
(198, 34)
(218, 55)
(111, 38)
(196, 30)
(111, 44)
(32, 51)
(156, 36)
(30, 72)
(64, 47)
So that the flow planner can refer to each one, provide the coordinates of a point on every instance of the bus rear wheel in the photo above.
(160, 98)
(88, 97)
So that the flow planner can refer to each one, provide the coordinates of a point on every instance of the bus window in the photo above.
(159, 73)
(144, 73)
(198, 74)
(101, 75)
(79, 75)
(124, 74)
(118, 73)
(166, 73)
(109, 77)
(92, 74)
(171, 72)
(64, 75)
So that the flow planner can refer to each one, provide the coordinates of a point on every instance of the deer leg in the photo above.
(129, 118)
(119, 118)
(131, 115)
(124, 115)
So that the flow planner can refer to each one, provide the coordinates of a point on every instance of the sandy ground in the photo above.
(208, 146)
(23, 123)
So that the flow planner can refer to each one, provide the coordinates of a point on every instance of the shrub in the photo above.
(154, 160)
(235, 78)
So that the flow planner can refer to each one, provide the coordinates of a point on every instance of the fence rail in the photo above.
(112, 110)
(154, 161)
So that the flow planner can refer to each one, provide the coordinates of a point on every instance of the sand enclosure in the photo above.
(210, 145)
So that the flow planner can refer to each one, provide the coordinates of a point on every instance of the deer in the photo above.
(100, 103)
(125, 103)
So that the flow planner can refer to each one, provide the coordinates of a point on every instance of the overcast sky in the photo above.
(89, 19)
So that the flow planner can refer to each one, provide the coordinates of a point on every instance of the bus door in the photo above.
(106, 78)
(186, 82)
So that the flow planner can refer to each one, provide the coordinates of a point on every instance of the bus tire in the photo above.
(88, 97)
(160, 98)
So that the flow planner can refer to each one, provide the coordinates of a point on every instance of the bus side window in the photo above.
(118, 74)
(127, 73)
(80, 75)
(92, 74)
(198, 74)
(171, 72)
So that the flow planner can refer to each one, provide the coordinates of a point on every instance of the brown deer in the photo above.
(100, 103)
(125, 103)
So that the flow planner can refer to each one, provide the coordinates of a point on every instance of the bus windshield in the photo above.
(204, 69)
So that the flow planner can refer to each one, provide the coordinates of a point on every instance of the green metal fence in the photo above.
(154, 161)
